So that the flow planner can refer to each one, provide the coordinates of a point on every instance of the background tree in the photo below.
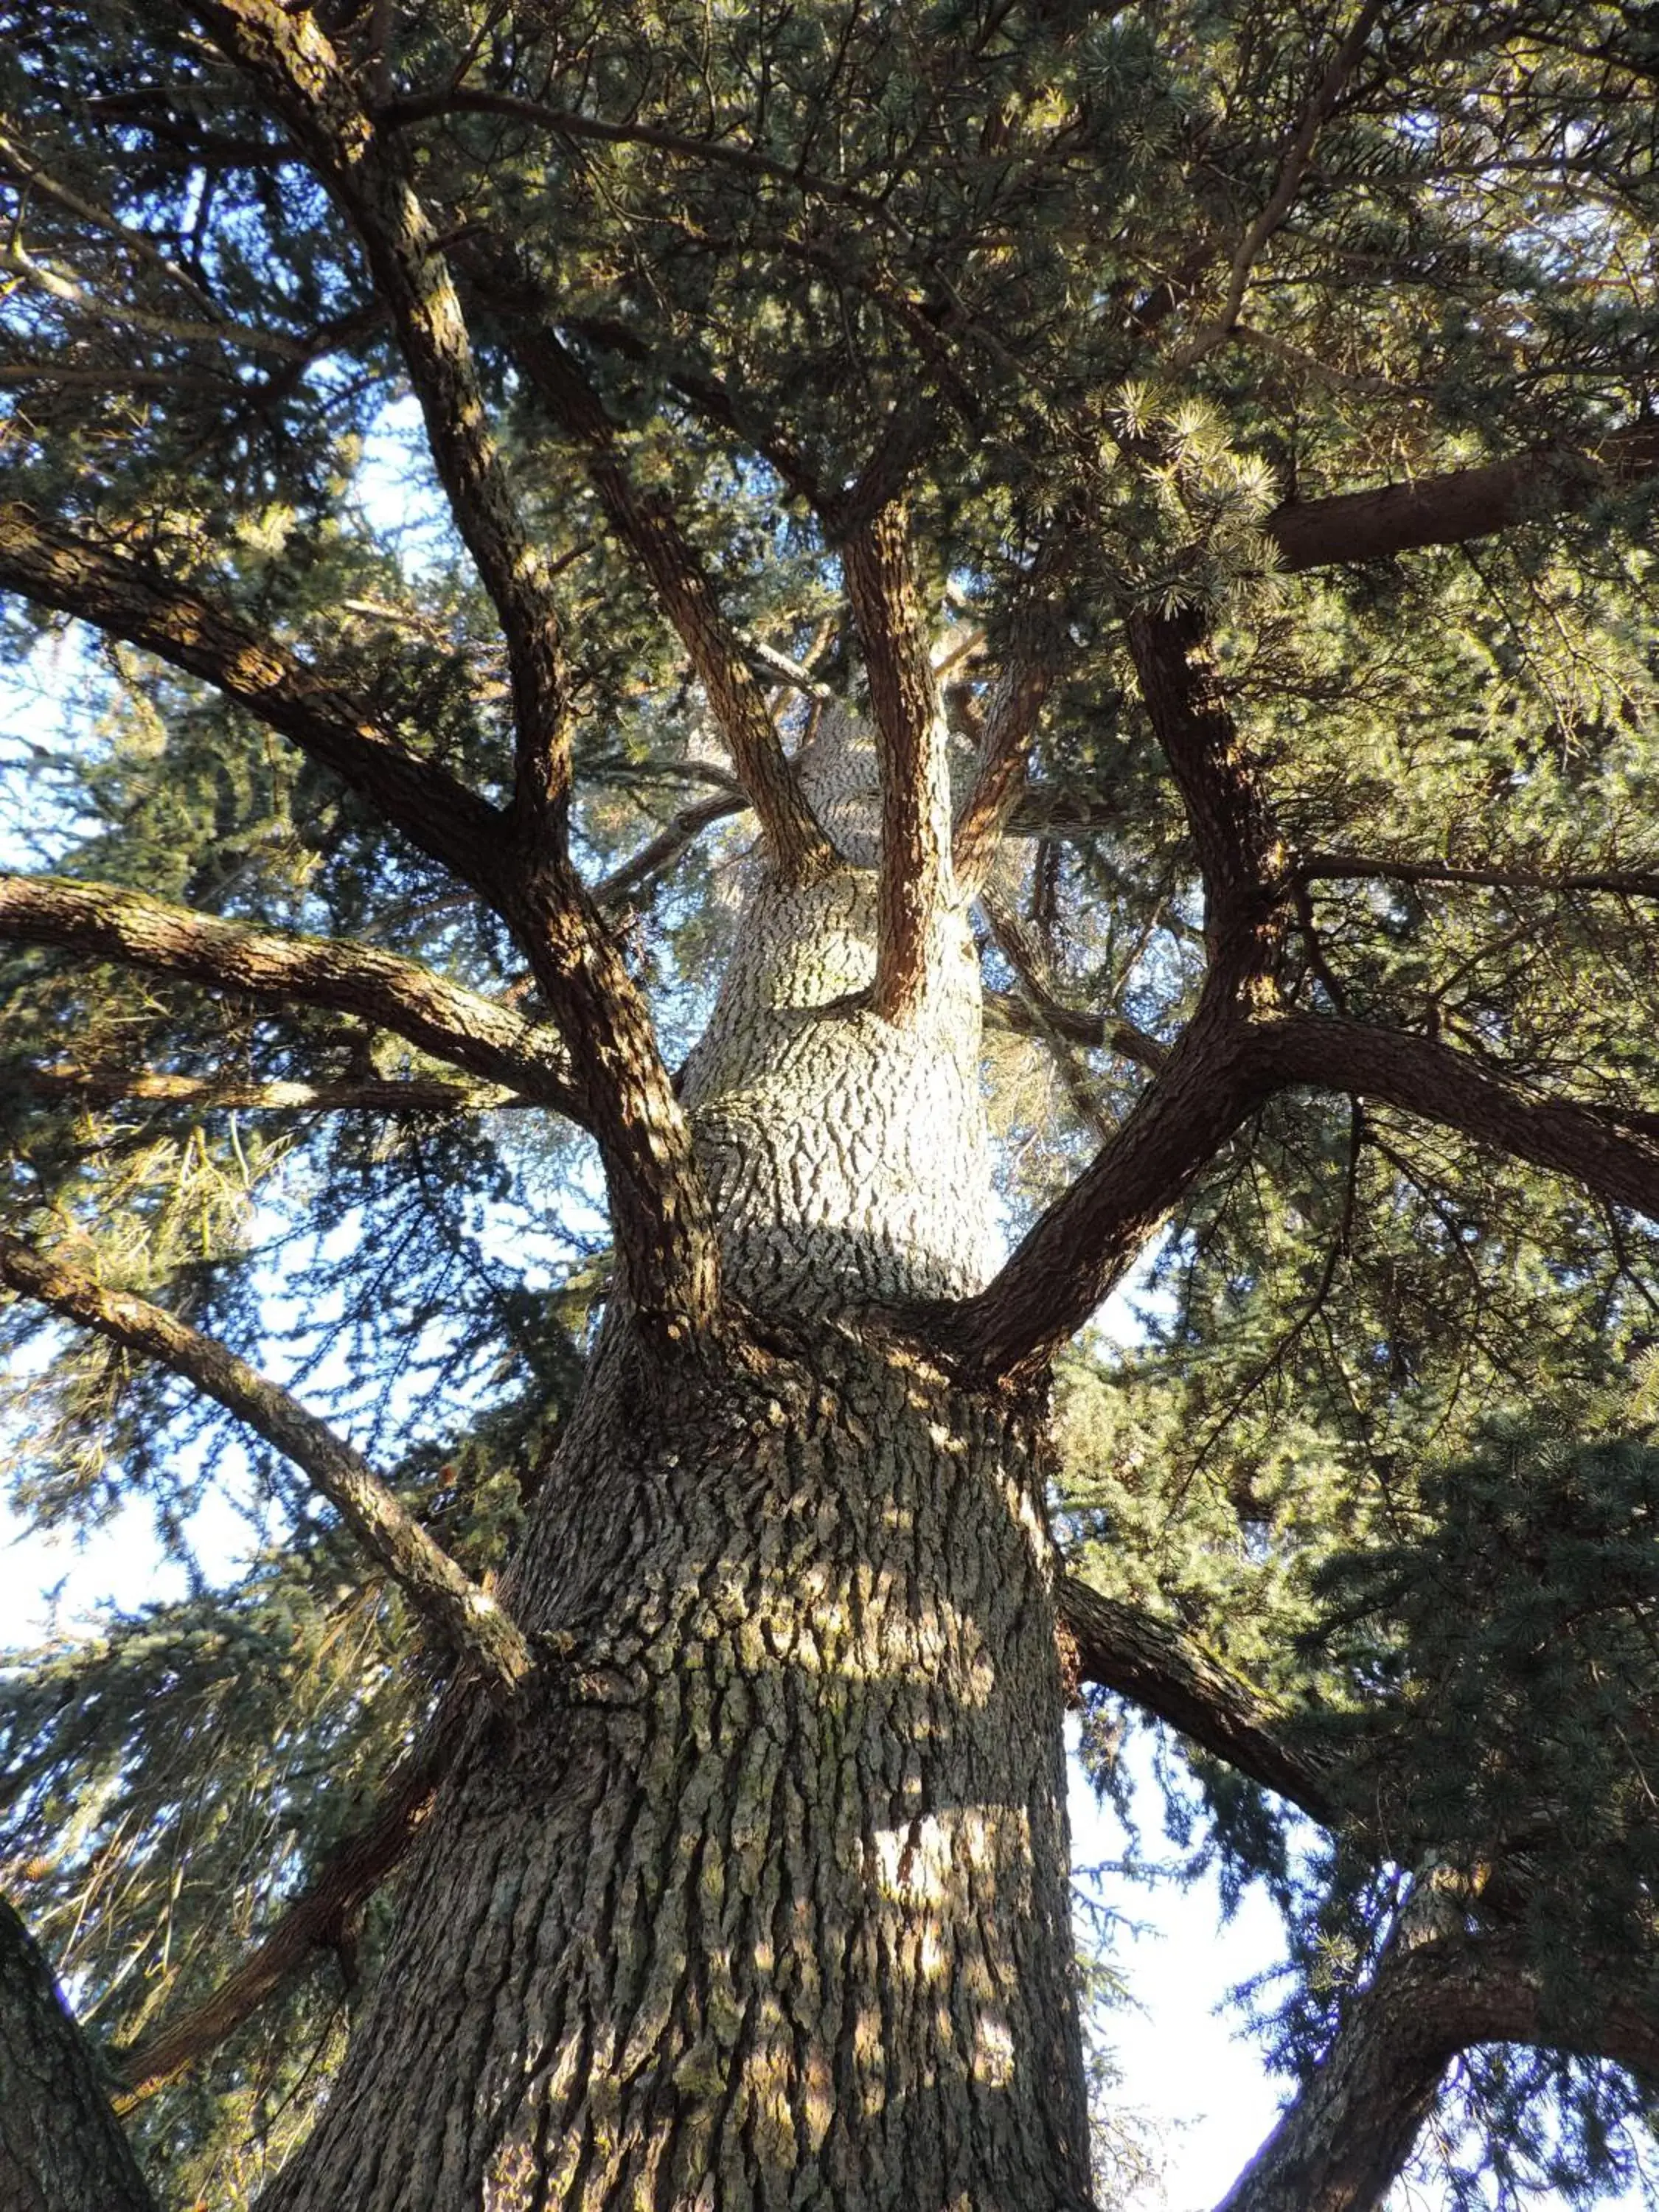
(1093, 561)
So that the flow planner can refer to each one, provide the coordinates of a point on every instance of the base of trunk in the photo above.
(763, 1899)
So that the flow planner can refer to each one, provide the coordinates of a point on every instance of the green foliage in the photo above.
(996, 238)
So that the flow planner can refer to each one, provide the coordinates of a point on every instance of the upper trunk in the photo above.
(760, 1896)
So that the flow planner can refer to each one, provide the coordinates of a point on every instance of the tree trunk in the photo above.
(61, 2147)
(760, 1895)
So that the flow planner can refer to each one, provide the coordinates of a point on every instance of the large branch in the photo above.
(1242, 858)
(1124, 1649)
(61, 2150)
(1436, 1083)
(440, 1017)
(286, 54)
(1350, 2128)
(648, 525)
(1366, 867)
(129, 599)
(916, 886)
(664, 1236)
(1213, 1079)
(319, 1919)
(1462, 503)
(464, 1618)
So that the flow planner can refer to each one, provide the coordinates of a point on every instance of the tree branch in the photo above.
(656, 858)
(121, 594)
(465, 1619)
(1461, 504)
(1350, 2128)
(1213, 1080)
(646, 525)
(1031, 658)
(1124, 1649)
(1047, 1016)
(916, 886)
(1436, 1083)
(440, 1017)
(61, 2150)
(1242, 858)
(113, 1086)
(1364, 867)
(287, 55)
(317, 1920)
(1292, 171)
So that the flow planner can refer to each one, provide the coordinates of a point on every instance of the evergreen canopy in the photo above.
(461, 461)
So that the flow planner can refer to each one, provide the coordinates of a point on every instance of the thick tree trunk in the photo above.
(761, 1895)
(61, 2148)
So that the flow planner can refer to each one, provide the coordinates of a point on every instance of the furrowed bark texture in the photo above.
(60, 2147)
(758, 1895)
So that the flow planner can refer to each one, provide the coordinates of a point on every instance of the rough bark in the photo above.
(917, 887)
(760, 1896)
(471, 1032)
(61, 2148)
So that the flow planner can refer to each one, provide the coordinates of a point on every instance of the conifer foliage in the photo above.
(483, 483)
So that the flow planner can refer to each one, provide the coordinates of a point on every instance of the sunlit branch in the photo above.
(648, 525)
(916, 884)
(1031, 650)
(144, 248)
(655, 858)
(1046, 1015)
(1292, 171)
(16, 262)
(114, 1086)
(107, 922)
(465, 1618)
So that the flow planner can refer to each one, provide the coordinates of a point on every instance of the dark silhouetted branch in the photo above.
(129, 599)
(318, 1920)
(1436, 1083)
(1124, 1649)
(1462, 503)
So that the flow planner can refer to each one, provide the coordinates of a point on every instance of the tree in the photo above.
(1095, 561)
